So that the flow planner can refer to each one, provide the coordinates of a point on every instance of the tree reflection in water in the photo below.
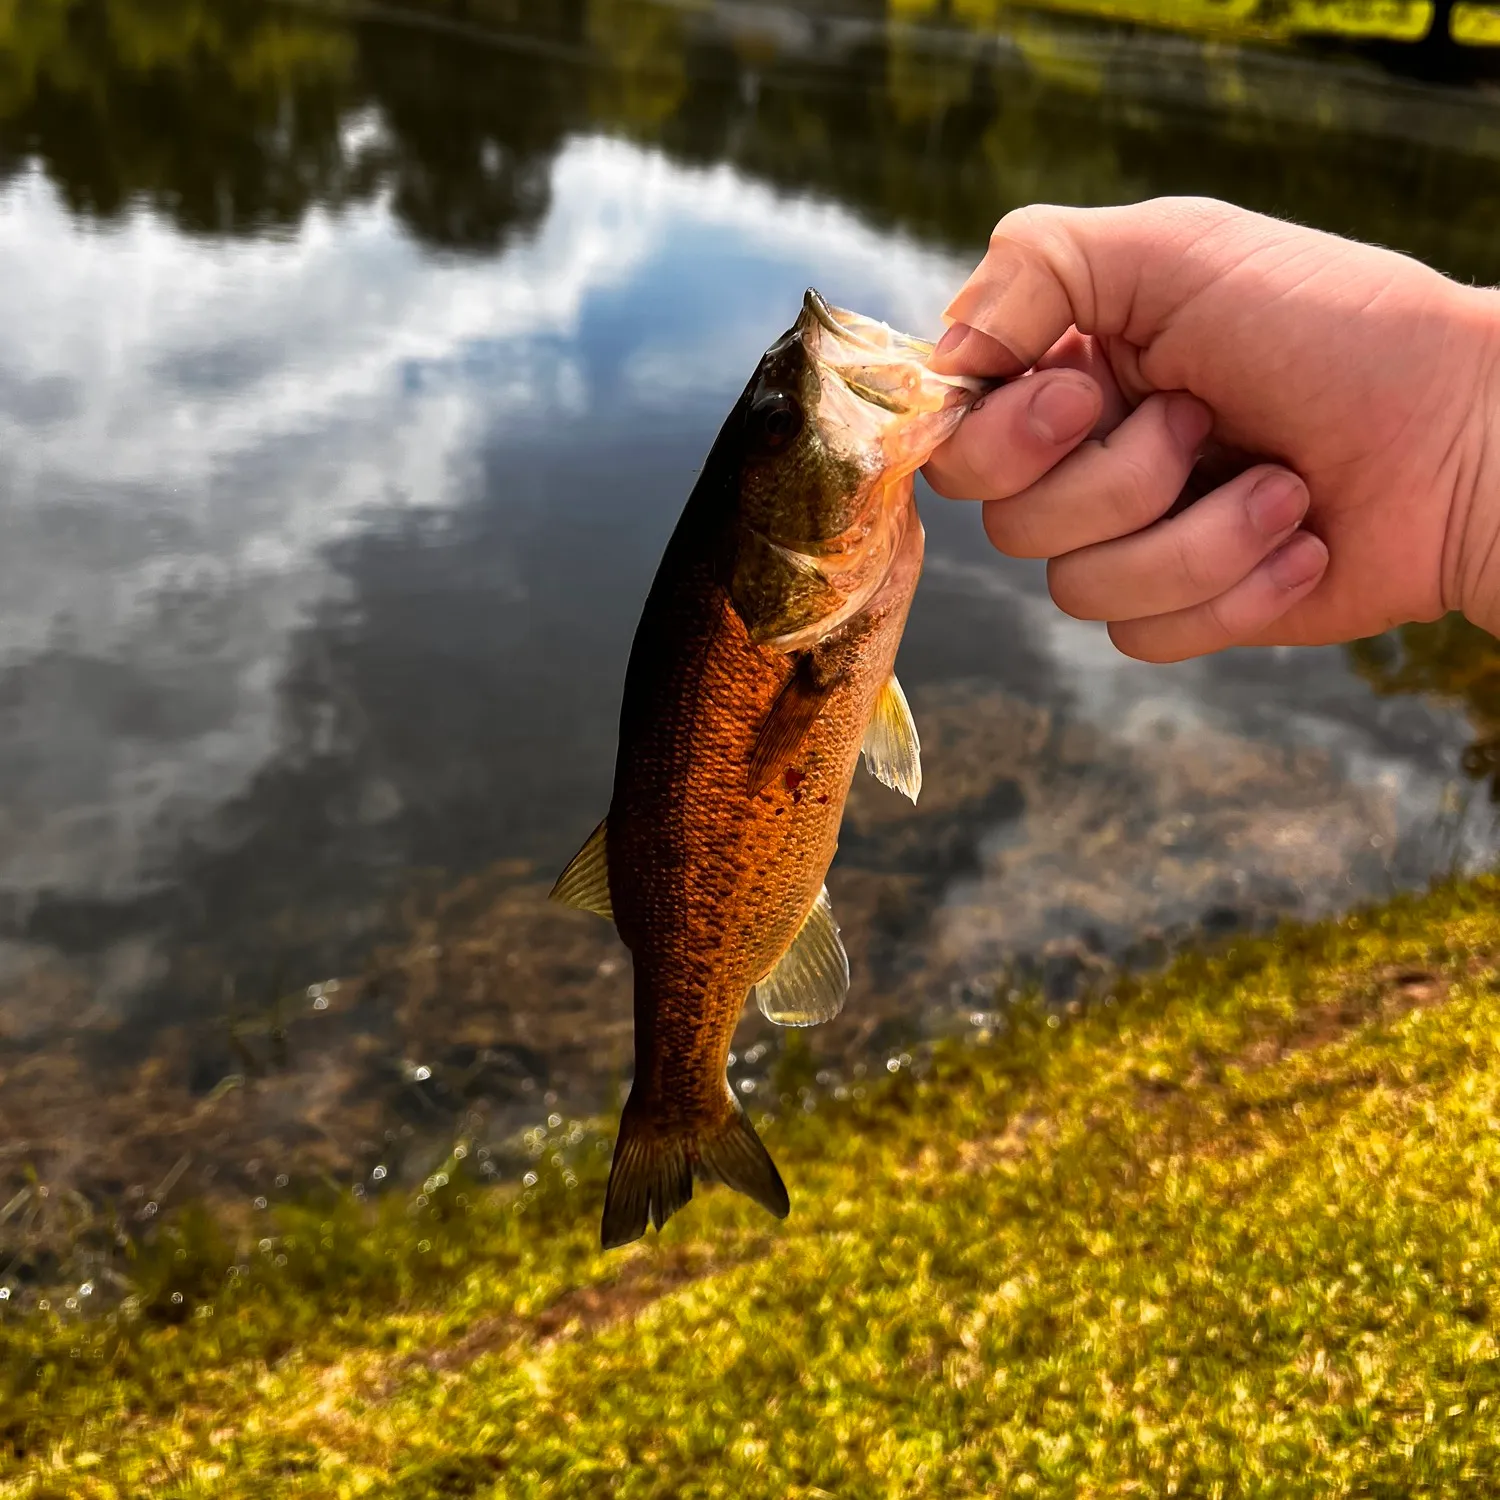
(239, 116)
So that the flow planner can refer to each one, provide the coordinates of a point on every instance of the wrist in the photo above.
(1471, 561)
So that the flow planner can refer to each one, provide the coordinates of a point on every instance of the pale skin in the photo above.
(1344, 402)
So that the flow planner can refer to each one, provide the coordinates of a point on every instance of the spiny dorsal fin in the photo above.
(811, 979)
(892, 751)
(585, 883)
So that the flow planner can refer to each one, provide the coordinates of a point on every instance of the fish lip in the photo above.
(866, 342)
(847, 326)
(815, 303)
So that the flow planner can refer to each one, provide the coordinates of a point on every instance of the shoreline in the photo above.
(1260, 1148)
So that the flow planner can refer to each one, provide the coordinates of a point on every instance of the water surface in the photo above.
(355, 369)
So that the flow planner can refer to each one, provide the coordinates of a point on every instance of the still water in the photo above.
(354, 368)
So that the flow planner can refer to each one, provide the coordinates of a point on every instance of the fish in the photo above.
(762, 668)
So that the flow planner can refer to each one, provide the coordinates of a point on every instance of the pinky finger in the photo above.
(1256, 601)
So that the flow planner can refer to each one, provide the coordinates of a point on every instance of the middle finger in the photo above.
(1109, 488)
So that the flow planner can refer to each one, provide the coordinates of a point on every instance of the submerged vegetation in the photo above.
(1223, 1230)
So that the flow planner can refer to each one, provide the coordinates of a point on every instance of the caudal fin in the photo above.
(653, 1170)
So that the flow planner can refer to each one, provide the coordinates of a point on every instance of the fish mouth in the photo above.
(880, 365)
(877, 396)
(858, 331)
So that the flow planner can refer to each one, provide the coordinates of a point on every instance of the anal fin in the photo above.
(892, 751)
(585, 883)
(811, 979)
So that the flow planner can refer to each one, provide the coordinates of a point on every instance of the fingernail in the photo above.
(1277, 503)
(1063, 410)
(952, 339)
(982, 353)
(1298, 562)
(1189, 420)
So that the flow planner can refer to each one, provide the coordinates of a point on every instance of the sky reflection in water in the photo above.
(321, 552)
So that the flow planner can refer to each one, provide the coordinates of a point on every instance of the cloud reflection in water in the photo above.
(321, 558)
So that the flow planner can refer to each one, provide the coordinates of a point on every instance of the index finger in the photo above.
(1104, 271)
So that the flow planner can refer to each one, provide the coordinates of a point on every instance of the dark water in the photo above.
(354, 369)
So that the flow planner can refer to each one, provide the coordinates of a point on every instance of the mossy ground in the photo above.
(1228, 1230)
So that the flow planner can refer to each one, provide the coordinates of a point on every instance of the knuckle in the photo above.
(1024, 223)
(1183, 220)
(1194, 210)
(1220, 625)
(1042, 231)
(1193, 565)
(1137, 491)
(1009, 529)
(1068, 583)
(1140, 645)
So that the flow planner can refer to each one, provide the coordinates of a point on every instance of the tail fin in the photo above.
(653, 1170)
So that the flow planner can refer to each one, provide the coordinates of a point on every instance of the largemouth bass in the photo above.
(761, 666)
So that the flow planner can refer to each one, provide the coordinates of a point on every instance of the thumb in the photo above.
(1105, 271)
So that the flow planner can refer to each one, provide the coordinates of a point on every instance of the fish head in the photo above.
(840, 412)
(839, 407)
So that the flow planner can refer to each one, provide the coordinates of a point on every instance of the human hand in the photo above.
(1342, 399)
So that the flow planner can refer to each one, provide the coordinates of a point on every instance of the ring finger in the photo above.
(1187, 559)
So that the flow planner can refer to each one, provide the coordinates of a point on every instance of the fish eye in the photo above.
(777, 419)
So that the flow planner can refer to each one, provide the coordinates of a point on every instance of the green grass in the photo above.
(1476, 22)
(1400, 20)
(1229, 1230)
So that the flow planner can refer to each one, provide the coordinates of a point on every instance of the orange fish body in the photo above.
(761, 666)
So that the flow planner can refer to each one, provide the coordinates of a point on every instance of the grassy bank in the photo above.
(1398, 20)
(1476, 22)
(1228, 1230)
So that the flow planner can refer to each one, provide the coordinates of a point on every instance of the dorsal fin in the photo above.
(892, 750)
(811, 979)
(585, 883)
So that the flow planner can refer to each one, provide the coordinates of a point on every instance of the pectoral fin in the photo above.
(585, 883)
(892, 751)
(793, 713)
(811, 979)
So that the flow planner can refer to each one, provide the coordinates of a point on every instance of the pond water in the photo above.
(355, 367)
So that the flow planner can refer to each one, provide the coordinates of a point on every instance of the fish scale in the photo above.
(748, 698)
(749, 868)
